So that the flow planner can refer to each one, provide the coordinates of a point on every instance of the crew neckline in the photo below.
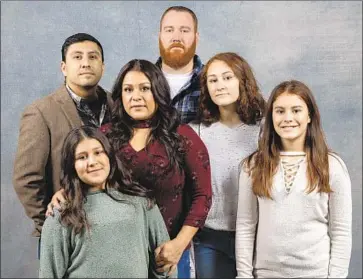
(90, 193)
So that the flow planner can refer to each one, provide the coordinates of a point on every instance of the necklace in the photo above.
(140, 124)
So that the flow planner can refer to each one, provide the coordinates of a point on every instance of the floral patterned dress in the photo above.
(150, 167)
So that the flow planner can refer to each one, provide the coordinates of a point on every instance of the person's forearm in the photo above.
(185, 235)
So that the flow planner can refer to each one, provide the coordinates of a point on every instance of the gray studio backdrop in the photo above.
(319, 43)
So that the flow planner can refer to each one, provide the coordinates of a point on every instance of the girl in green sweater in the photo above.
(110, 225)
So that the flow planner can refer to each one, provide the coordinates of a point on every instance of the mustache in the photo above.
(176, 45)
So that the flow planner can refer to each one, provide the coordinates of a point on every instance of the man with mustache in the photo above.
(46, 122)
(178, 38)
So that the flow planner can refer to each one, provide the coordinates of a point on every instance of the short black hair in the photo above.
(77, 38)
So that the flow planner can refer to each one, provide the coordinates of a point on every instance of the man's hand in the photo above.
(56, 201)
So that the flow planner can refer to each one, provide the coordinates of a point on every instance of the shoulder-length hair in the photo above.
(76, 190)
(165, 121)
(250, 103)
(263, 163)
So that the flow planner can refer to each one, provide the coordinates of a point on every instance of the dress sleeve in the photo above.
(340, 219)
(30, 165)
(246, 223)
(55, 248)
(199, 175)
(158, 234)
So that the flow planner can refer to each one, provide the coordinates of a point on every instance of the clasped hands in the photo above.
(168, 255)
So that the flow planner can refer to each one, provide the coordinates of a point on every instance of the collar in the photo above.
(100, 94)
(73, 95)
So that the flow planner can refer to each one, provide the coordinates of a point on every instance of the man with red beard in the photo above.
(178, 38)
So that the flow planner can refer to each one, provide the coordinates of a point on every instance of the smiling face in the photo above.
(91, 163)
(177, 39)
(223, 85)
(137, 97)
(290, 116)
(83, 66)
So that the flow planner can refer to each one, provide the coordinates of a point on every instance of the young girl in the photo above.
(107, 229)
(231, 108)
(294, 202)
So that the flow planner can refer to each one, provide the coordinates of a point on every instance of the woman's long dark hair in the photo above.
(165, 121)
(76, 190)
(250, 103)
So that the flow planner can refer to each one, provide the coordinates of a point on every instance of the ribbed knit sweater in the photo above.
(226, 147)
(299, 235)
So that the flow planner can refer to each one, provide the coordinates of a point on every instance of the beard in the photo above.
(177, 59)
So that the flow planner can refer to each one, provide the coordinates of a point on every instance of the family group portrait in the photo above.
(181, 139)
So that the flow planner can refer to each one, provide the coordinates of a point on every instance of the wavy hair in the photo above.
(75, 190)
(164, 122)
(263, 163)
(250, 103)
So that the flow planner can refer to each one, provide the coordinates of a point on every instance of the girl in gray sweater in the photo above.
(109, 227)
(294, 216)
(231, 108)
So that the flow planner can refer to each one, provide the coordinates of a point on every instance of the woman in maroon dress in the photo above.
(163, 155)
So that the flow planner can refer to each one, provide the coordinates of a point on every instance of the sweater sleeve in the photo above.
(246, 223)
(340, 219)
(158, 234)
(55, 248)
(199, 175)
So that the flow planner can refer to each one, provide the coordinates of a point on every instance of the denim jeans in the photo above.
(38, 249)
(184, 265)
(214, 253)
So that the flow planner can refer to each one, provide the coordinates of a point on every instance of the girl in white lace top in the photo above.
(294, 213)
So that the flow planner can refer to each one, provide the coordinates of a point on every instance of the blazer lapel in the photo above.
(68, 107)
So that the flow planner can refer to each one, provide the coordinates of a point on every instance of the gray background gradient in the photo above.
(319, 43)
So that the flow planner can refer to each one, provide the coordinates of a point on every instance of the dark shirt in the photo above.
(187, 100)
(92, 112)
(149, 168)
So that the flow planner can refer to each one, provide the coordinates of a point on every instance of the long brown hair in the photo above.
(250, 103)
(263, 163)
(75, 190)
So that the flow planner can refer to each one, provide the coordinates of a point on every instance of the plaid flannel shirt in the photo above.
(87, 115)
(187, 99)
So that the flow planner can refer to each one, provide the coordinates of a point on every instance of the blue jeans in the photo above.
(184, 265)
(214, 253)
(38, 249)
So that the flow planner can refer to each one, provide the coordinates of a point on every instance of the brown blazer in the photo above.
(43, 128)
